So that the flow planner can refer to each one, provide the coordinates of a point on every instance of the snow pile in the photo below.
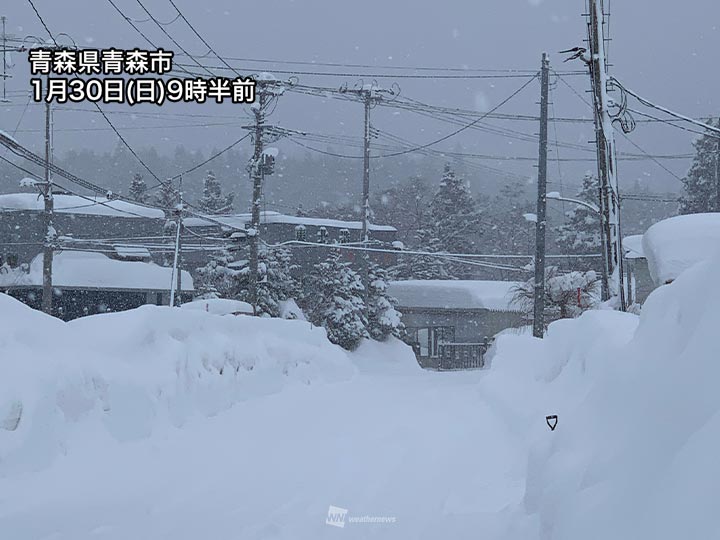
(220, 306)
(131, 373)
(635, 451)
(677, 243)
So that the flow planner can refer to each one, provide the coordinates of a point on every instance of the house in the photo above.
(22, 227)
(83, 221)
(85, 283)
(319, 234)
(450, 323)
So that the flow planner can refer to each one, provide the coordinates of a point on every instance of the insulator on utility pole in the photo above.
(540, 222)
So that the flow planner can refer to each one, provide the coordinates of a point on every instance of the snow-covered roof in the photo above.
(82, 269)
(220, 306)
(268, 217)
(632, 245)
(454, 294)
(675, 244)
(72, 204)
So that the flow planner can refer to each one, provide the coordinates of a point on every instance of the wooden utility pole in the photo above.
(49, 230)
(4, 53)
(540, 223)
(257, 172)
(367, 101)
(717, 174)
(607, 170)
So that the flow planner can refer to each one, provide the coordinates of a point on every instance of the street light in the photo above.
(555, 196)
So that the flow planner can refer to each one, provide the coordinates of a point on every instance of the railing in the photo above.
(453, 356)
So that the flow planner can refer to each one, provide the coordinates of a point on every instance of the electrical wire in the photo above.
(42, 22)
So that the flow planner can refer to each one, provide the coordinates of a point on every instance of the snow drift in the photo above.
(675, 244)
(133, 371)
(635, 451)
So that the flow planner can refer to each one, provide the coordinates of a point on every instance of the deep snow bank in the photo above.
(137, 370)
(635, 451)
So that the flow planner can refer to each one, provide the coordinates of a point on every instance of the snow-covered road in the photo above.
(420, 448)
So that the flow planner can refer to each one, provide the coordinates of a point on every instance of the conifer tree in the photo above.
(167, 196)
(581, 232)
(213, 201)
(138, 189)
(335, 302)
(383, 319)
(700, 190)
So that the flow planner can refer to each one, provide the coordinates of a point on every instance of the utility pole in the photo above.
(607, 164)
(49, 234)
(4, 51)
(539, 293)
(176, 280)
(717, 174)
(257, 172)
(367, 98)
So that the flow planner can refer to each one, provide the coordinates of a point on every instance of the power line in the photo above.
(42, 22)
(162, 29)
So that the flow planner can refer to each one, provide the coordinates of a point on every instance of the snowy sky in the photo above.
(664, 50)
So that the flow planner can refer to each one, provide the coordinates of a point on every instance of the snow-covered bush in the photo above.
(566, 295)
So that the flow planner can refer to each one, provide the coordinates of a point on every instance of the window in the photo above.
(322, 235)
(344, 236)
(300, 233)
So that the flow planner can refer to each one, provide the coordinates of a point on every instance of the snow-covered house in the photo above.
(22, 228)
(86, 283)
(277, 228)
(451, 322)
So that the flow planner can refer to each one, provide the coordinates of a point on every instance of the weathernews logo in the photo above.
(337, 517)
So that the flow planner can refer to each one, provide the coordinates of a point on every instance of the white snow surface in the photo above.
(129, 430)
(84, 269)
(675, 244)
(72, 204)
(220, 306)
(633, 247)
(454, 294)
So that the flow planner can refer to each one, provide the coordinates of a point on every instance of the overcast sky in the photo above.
(664, 50)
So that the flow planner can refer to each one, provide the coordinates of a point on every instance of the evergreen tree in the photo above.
(167, 196)
(138, 189)
(218, 278)
(275, 281)
(383, 318)
(700, 190)
(423, 266)
(335, 302)
(213, 201)
(507, 230)
(225, 276)
(454, 219)
(581, 232)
